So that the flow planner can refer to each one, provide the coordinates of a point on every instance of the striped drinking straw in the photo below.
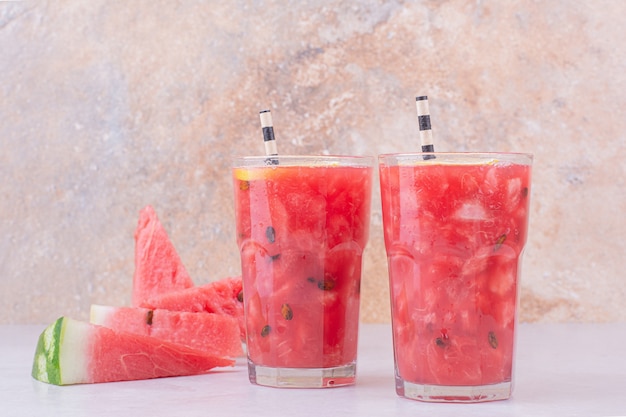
(426, 134)
(268, 137)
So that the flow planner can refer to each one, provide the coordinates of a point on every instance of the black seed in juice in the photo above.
(149, 317)
(240, 296)
(326, 284)
(493, 340)
(275, 257)
(270, 233)
(500, 241)
(440, 342)
(286, 311)
(525, 192)
(265, 331)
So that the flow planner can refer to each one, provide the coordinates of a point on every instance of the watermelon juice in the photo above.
(302, 225)
(455, 229)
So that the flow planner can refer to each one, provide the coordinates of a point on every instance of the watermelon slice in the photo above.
(224, 297)
(213, 333)
(75, 352)
(158, 268)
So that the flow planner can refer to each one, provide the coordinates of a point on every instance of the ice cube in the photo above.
(514, 193)
(471, 211)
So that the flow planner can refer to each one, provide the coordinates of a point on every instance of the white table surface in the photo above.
(562, 370)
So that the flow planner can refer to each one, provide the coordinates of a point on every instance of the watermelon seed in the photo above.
(286, 311)
(493, 340)
(244, 185)
(525, 192)
(270, 233)
(499, 242)
(240, 296)
(275, 257)
(149, 316)
(266, 330)
(326, 284)
(311, 279)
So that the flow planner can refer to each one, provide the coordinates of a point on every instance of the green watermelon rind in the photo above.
(46, 366)
(60, 353)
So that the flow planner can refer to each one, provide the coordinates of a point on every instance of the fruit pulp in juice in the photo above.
(301, 232)
(454, 236)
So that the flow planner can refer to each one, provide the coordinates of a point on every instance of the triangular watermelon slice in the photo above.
(224, 296)
(158, 268)
(75, 352)
(213, 333)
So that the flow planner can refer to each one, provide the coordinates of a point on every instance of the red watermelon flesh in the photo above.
(158, 268)
(213, 333)
(75, 352)
(224, 297)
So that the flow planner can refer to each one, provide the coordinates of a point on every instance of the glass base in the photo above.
(302, 377)
(453, 394)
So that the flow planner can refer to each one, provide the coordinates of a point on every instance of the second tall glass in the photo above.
(302, 224)
(455, 227)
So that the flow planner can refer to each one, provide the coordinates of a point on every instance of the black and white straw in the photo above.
(268, 136)
(423, 117)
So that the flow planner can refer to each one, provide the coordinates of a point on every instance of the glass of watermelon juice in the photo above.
(302, 223)
(455, 228)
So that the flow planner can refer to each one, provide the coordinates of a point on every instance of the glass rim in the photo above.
(313, 160)
(451, 156)
(294, 156)
(463, 153)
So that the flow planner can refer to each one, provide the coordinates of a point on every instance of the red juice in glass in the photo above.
(302, 225)
(455, 229)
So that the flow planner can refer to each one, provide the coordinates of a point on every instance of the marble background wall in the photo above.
(107, 106)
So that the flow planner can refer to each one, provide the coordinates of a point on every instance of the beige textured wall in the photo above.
(106, 106)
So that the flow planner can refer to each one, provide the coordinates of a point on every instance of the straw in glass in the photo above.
(268, 137)
(426, 134)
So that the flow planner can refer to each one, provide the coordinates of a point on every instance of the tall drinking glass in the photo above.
(455, 227)
(302, 224)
